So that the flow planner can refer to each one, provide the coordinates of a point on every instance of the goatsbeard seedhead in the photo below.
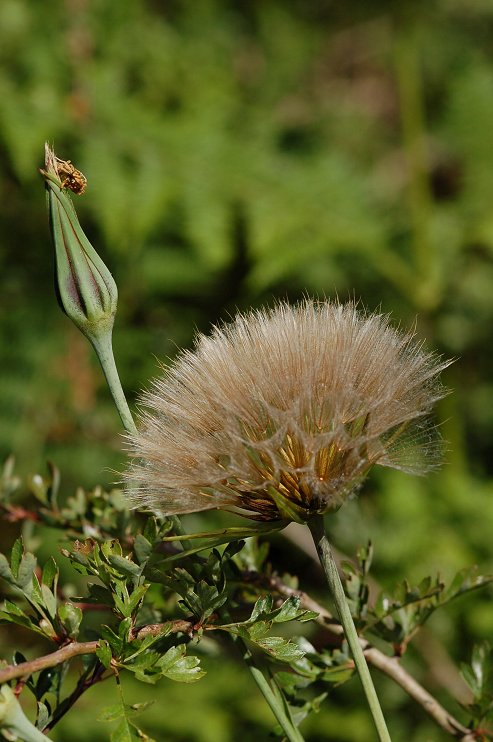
(281, 414)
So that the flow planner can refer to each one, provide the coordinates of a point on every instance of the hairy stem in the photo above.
(326, 557)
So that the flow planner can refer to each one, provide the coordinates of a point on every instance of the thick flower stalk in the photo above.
(281, 414)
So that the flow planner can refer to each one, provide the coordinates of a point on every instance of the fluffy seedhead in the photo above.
(281, 414)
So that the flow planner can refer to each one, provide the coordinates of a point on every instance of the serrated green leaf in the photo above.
(19, 619)
(13, 608)
(103, 652)
(34, 592)
(148, 641)
(5, 570)
(425, 585)
(142, 677)
(50, 572)
(26, 569)
(124, 566)
(338, 675)
(110, 713)
(127, 732)
(465, 581)
(111, 548)
(307, 616)
(479, 677)
(125, 628)
(16, 555)
(281, 649)
(120, 605)
(142, 548)
(151, 529)
(458, 581)
(258, 630)
(137, 596)
(479, 654)
(177, 666)
(49, 600)
(291, 682)
(128, 604)
(211, 599)
(202, 600)
(140, 661)
(76, 556)
(288, 611)
(113, 640)
(262, 606)
(71, 617)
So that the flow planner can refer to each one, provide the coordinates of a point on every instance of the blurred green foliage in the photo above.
(237, 152)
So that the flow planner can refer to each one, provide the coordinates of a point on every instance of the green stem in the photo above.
(104, 349)
(327, 561)
(273, 696)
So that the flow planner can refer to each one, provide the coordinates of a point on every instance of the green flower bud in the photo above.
(86, 289)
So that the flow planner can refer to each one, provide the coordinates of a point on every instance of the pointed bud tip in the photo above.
(50, 159)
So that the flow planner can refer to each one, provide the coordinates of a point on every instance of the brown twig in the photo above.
(74, 649)
(24, 669)
(392, 667)
(179, 626)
